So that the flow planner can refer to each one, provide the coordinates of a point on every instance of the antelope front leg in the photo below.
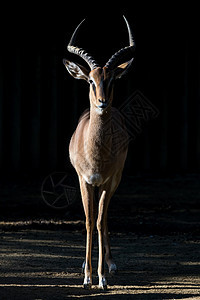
(87, 194)
(105, 193)
(101, 223)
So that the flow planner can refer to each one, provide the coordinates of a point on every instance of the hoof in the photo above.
(87, 286)
(113, 269)
(103, 284)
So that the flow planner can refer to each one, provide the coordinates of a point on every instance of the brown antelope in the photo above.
(96, 153)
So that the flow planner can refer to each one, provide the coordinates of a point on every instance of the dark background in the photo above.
(40, 103)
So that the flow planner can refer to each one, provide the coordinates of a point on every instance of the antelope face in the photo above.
(101, 87)
(101, 81)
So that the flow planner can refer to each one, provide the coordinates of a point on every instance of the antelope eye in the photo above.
(93, 86)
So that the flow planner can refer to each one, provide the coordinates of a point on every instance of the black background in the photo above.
(40, 103)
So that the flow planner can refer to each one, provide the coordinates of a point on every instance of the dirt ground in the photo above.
(155, 238)
(39, 264)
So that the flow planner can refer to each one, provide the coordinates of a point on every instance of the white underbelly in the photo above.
(95, 179)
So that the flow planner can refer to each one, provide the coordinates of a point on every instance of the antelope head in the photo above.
(101, 80)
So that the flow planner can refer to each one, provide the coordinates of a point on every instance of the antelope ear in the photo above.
(122, 69)
(76, 70)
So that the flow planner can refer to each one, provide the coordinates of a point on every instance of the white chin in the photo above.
(100, 110)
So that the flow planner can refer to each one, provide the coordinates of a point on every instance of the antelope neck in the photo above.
(99, 136)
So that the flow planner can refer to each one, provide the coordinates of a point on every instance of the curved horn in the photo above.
(115, 57)
(81, 52)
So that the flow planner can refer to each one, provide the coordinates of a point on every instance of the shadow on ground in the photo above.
(155, 238)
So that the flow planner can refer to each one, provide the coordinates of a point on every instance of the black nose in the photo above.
(102, 104)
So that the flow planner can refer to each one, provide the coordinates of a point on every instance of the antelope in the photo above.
(97, 154)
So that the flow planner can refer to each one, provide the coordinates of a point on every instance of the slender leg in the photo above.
(100, 227)
(94, 214)
(83, 264)
(87, 194)
(106, 193)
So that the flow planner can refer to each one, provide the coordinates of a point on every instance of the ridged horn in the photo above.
(81, 52)
(111, 64)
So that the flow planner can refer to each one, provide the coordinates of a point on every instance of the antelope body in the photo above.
(98, 148)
